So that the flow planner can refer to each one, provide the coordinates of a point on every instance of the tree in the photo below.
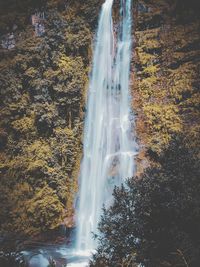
(155, 218)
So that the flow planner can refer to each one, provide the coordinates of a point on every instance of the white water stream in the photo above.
(109, 147)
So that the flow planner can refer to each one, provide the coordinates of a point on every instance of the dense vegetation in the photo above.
(43, 80)
(166, 66)
(154, 219)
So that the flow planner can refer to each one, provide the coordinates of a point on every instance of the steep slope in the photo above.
(166, 74)
(44, 73)
(43, 83)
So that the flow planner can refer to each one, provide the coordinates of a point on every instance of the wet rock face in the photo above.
(166, 65)
(43, 84)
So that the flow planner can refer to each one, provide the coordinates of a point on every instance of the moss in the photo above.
(163, 122)
(150, 70)
(43, 84)
(78, 38)
(45, 210)
(32, 212)
(31, 73)
(144, 57)
(39, 149)
(166, 91)
(23, 125)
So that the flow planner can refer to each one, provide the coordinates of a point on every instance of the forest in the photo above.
(46, 55)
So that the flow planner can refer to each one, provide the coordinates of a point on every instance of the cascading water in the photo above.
(109, 146)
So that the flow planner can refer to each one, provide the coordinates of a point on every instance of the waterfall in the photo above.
(109, 147)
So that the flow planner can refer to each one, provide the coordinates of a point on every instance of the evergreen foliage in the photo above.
(155, 219)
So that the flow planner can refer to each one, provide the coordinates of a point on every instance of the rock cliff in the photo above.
(45, 62)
